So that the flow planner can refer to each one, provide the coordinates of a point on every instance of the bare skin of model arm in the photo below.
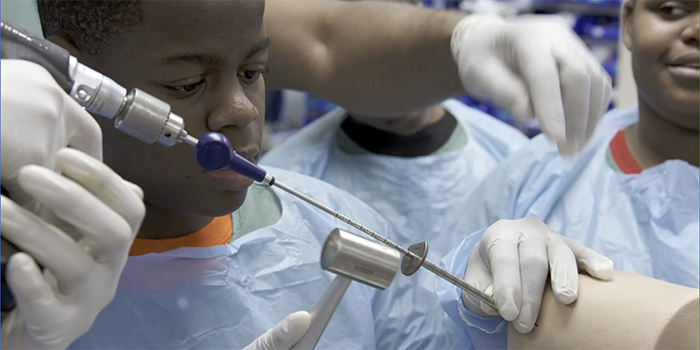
(337, 50)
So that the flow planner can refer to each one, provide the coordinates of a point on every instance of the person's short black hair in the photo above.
(414, 2)
(88, 24)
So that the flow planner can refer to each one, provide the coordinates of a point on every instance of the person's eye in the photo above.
(673, 10)
(185, 89)
(251, 75)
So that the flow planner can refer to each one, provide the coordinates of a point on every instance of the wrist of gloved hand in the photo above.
(485, 72)
(465, 27)
(284, 335)
(468, 25)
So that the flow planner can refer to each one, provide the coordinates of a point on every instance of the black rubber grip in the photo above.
(16, 43)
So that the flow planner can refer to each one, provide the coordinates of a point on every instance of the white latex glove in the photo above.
(284, 335)
(80, 279)
(512, 261)
(39, 118)
(534, 66)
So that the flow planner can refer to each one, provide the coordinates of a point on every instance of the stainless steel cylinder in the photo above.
(143, 116)
(360, 259)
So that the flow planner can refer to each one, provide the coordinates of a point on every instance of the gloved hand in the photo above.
(534, 66)
(512, 261)
(56, 307)
(284, 335)
(39, 118)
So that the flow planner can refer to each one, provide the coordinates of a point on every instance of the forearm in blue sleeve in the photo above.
(484, 332)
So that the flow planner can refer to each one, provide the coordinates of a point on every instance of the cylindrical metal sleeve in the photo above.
(360, 259)
(143, 116)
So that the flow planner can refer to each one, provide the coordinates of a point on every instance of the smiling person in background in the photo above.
(633, 193)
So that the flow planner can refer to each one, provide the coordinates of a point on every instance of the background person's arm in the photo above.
(346, 52)
(385, 59)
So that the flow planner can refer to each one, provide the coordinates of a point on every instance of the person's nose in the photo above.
(234, 110)
(691, 33)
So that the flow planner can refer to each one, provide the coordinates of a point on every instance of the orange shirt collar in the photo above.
(218, 232)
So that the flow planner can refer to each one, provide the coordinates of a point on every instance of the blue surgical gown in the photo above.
(645, 223)
(226, 296)
(420, 197)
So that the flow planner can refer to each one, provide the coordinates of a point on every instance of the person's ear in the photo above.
(627, 14)
(65, 43)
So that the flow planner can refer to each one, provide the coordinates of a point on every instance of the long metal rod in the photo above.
(459, 283)
(344, 218)
(442, 273)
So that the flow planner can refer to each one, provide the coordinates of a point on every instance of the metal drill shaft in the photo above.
(189, 139)
(442, 273)
(459, 283)
(343, 218)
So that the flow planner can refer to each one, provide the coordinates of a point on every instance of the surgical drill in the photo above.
(214, 152)
(136, 113)
(150, 120)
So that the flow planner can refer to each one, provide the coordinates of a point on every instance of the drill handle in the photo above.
(18, 44)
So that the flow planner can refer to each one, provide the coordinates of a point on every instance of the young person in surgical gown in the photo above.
(218, 260)
(633, 192)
